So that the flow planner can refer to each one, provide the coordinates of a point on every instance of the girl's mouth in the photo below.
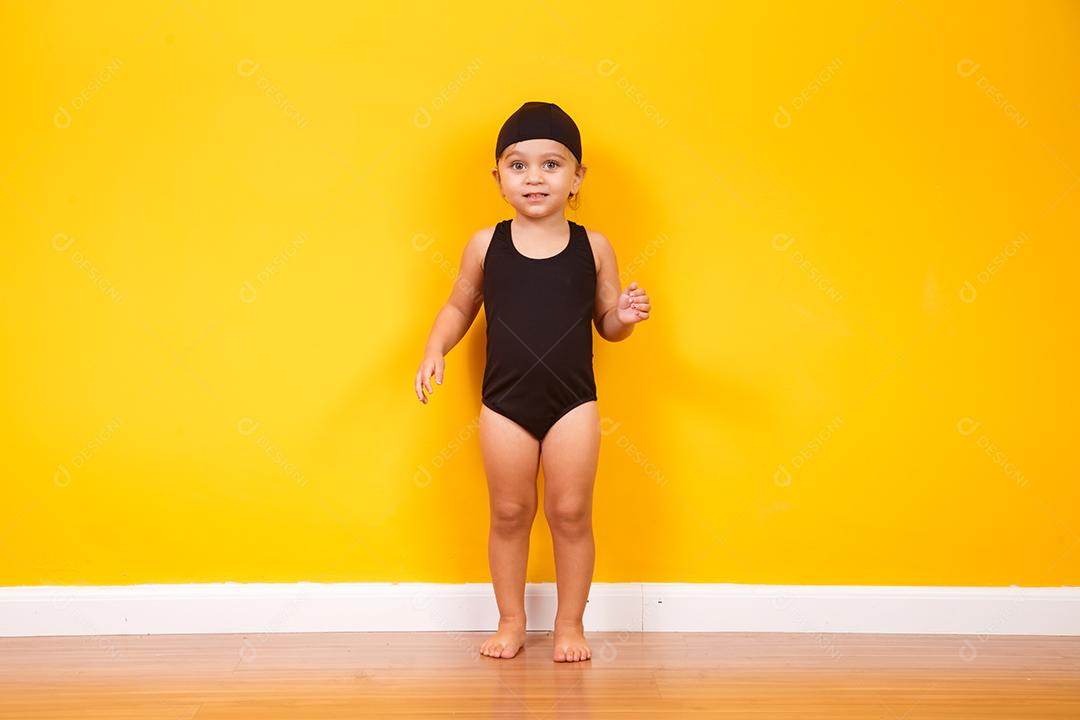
(536, 196)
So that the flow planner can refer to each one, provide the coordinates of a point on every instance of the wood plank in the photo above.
(631, 675)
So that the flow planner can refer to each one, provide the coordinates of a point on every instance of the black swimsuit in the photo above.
(539, 330)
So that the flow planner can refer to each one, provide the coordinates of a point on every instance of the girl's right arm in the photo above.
(457, 315)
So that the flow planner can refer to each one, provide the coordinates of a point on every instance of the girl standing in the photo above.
(543, 281)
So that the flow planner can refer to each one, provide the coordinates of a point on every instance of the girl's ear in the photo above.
(580, 175)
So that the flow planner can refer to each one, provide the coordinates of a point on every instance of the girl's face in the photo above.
(537, 176)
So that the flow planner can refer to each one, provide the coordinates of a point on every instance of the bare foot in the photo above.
(506, 641)
(570, 645)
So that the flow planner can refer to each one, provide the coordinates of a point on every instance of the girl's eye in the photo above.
(515, 163)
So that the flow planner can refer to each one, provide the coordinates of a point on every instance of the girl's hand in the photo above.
(433, 363)
(633, 305)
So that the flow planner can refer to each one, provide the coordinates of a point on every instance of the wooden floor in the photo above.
(638, 675)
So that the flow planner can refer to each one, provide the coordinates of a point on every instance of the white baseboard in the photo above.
(633, 607)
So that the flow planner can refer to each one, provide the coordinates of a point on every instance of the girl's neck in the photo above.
(553, 224)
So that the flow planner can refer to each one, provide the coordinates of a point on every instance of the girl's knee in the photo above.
(512, 514)
(569, 516)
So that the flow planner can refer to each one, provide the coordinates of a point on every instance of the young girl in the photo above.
(542, 279)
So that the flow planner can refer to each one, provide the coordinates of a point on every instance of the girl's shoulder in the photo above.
(480, 242)
(595, 236)
(600, 245)
(597, 239)
(484, 234)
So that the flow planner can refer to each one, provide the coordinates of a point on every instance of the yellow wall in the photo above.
(229, 230)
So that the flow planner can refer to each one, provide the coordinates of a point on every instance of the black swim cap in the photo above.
(539, 120)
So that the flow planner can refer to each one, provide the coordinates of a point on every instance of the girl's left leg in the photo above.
(569, 454)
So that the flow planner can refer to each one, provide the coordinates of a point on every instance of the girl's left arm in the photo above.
(616, 311)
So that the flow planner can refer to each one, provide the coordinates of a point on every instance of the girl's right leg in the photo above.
(511, 462)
